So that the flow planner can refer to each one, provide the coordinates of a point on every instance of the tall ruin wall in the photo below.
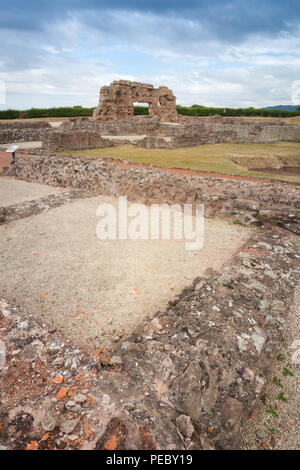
(117, 101)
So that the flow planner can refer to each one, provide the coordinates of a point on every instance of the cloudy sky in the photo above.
(236, 53)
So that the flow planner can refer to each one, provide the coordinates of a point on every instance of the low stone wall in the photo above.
(249, 202)
(75, 140)
(81, 133)
(23, 131)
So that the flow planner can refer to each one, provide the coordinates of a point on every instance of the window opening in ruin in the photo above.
(141, 109)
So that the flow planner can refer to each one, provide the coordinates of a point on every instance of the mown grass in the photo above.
(210, 158)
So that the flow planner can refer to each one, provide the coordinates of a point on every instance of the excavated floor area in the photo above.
(97, 292)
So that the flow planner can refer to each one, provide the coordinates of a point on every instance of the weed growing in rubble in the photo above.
(287, 373)
(263, 399)
(281, 397)
(273, 411)
(277, 382)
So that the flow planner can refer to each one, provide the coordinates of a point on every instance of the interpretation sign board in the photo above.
(12, 148)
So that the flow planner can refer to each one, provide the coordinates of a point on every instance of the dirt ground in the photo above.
(97, 291)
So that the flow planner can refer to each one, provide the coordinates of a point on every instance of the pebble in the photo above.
(80, 398)
(184, 425)
(262, 435)
(116, 361)
(68, 426)
(59, 361)
(106, 399)
(115, 339)
(72, 406)
(48, 423)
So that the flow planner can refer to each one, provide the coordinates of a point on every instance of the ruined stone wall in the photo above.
(250, 202)
(213, 130)
(23, 131)
(137, 125)
(83, 133)
(156, 134)
(60, 141)
(75, 134)
(116, 101)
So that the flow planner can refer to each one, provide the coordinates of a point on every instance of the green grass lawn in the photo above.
(211, 158)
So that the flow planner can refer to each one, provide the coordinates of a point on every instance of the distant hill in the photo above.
(283, 107)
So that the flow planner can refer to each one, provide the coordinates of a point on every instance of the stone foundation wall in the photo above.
(189, 131)
(213, 130)
(196, 131)
(74, 140)
(116, 101)
(23, 131)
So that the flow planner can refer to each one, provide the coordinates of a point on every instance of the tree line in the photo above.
(195, 110)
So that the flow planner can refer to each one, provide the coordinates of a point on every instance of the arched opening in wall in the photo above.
(141, 109)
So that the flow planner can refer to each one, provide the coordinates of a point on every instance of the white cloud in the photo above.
(68, 61)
